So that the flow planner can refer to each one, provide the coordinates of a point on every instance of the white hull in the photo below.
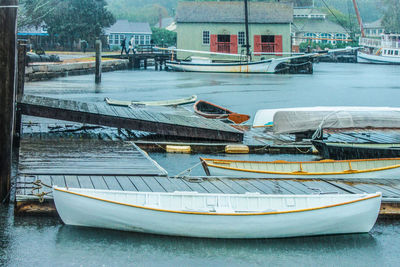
(265, 117)
(178, 213)
(384, 174)
(377, 59)
(267, 66)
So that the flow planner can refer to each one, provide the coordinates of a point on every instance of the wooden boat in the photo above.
(332, 150)
(250, 215)
(171, 102)
(367, 168)
(212, 111)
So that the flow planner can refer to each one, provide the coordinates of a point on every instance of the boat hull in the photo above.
(267, 66)
(375, 59)
(384, 174)
(354, 217)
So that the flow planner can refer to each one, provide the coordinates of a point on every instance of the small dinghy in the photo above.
(250, 215)
(338, 169)
(212, 111)
(171, 102)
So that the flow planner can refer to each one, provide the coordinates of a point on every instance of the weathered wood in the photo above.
(98, 62)
(77, 157)
(20, 91)
(8, 33)
(142, 119)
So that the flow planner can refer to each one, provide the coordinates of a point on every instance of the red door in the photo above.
(213, 43)
(257, 44)
(278, 45)
(234, 44)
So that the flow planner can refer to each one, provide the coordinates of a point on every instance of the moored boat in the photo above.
(212, 111)
(338, 169)
(385, 50)
(341, 151)
(218, 215)
(171, 102)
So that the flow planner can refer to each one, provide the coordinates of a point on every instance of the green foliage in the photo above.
(322, 46)
(391, 17)
(70, 20)
(163, 37)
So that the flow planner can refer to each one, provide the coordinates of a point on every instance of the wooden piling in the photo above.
(145, 63)
(22, 48)
(98, 62)
(8, 33)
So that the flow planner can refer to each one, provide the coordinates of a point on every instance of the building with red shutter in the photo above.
(219, 27)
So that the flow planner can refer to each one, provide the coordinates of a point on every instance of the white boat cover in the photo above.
(292, 121)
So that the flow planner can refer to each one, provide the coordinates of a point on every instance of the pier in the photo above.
(170, 122)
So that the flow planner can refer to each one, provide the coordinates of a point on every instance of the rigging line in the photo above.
(335, 17)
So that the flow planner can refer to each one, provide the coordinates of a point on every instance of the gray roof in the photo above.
(307, 11)
(165, 22)
(233, 12)
(317, 26)
(125, 26)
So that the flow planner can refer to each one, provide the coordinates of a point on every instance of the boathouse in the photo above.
(139, 31)
(220, 27)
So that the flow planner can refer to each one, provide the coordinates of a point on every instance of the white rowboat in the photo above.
(349, 169)
(171, 102)
(218, 215)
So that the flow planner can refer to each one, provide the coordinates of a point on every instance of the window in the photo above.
(206, 37)
(241, 38)
(147, 39)
(267, 39)
(396, 53)
(142, 39)
(224, 38)
(136, 39)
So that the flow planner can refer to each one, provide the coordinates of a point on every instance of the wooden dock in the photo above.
(176, 122)
(30, 191)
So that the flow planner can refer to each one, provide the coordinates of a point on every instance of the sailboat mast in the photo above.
(246, 22)
(359, 18)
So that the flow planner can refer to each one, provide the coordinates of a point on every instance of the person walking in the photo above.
(123, 46)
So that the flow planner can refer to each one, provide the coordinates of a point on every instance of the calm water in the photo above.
(46, 242)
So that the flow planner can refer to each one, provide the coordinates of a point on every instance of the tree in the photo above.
(391, 15)
(70, 20)
(163, 37)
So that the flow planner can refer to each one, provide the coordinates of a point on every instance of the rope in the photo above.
(318, 133)
(39, 185)
(187, 171)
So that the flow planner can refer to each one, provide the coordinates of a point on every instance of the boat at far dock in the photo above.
(171, 102)
(380, 51)
(250, 215)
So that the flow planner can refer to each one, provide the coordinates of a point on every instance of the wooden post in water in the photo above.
(98, 62)
(8, 33)
(20, 90)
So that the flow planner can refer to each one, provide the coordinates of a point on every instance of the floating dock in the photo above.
(176, 122)
(123, 166)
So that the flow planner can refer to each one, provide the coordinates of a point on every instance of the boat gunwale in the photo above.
(369, 196)
(350, 171)
(218, 64)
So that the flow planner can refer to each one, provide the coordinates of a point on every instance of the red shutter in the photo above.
(213, 43)
(257, 44)
(234, 44)
(278, 44)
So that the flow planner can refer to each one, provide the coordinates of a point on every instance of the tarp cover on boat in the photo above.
(303, 120)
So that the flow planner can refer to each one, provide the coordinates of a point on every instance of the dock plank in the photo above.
(98, 182)
(163, 121)
(140, 184)
(126, 183)
(72, 181)
(153, 184)
(85, 182)
(112, 182)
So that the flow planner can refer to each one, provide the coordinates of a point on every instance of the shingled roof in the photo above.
(233, 12)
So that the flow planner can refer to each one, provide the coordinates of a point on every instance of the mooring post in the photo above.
(145, 63)
(156, 64)
(98, 61)
(8, 33)
(20, 90)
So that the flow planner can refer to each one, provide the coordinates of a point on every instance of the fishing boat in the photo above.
(274, 65)
(338, 169)
(171, 102)
(341, 151)
(212, 111)
(193, 214)
(300, 119)
(385, 50)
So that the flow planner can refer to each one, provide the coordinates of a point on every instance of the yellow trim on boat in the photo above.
(301, 172)
(222, 214)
